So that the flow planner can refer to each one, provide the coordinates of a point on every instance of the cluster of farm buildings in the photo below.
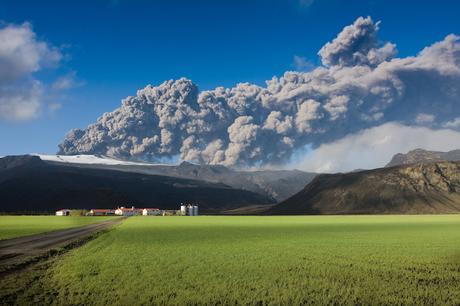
(185, 210)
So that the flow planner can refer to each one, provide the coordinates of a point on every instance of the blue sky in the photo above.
(116, 47)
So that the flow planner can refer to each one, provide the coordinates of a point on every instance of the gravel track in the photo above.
(22, 251)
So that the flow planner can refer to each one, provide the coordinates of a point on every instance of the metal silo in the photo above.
(183, 210)
(195, 210)
(189, 210)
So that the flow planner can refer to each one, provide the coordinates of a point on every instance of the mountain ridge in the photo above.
(430, 188)
(29, 184)
(277, 184)
(421, 156)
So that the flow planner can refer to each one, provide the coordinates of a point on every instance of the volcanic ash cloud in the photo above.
(360, 84)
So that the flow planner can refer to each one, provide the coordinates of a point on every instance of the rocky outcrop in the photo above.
(423, 156)
(428, 188)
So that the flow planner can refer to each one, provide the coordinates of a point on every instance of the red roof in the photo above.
(101, 210)
(136, 209)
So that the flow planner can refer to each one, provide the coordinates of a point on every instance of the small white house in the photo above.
(151, 212)
(63, 212)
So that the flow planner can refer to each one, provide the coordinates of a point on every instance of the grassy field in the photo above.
(262, 260)
(16, 226)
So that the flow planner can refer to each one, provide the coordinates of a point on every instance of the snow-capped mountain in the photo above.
(90, 159)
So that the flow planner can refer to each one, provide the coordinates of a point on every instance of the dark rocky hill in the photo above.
(29, 184)
(430, 188)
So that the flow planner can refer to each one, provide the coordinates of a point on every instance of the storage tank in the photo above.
(183, 210)
(189, 210)
(195, 210)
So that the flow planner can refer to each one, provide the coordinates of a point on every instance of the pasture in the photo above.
(17, 226)
(262, 260)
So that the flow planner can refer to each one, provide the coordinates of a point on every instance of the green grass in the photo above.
(263, 260)
(17, 226)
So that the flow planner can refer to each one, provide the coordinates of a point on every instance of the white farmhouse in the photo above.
(63, 212)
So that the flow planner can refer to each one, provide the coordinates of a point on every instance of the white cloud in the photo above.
(424, 118)
(20, 102)
(22, 54)
(374, 147)
(67, 81)
(454, 123)
(53, 107)
(302, 64)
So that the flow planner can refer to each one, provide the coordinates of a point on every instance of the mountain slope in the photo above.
(423, 156)
(29, 184)
(277, 184)
(414, 189)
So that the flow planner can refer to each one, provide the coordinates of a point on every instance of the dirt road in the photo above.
(19, 252)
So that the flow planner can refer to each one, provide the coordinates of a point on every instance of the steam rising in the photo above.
(361, 84)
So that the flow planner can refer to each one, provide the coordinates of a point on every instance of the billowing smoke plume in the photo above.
(361, 84)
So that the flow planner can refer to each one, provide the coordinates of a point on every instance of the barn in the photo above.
(151, 212)
(101, 212)
(127, 212)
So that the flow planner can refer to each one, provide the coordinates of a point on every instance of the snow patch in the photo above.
(90, 159)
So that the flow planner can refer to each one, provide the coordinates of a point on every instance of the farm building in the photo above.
(127, 212)
(101, 212)
(63, 212)
(151, 212)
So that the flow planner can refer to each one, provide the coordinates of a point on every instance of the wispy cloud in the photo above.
(454, 123)
(53, 107)
(67, 81)
(302, 64)
(424, 118)
(374, 147)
